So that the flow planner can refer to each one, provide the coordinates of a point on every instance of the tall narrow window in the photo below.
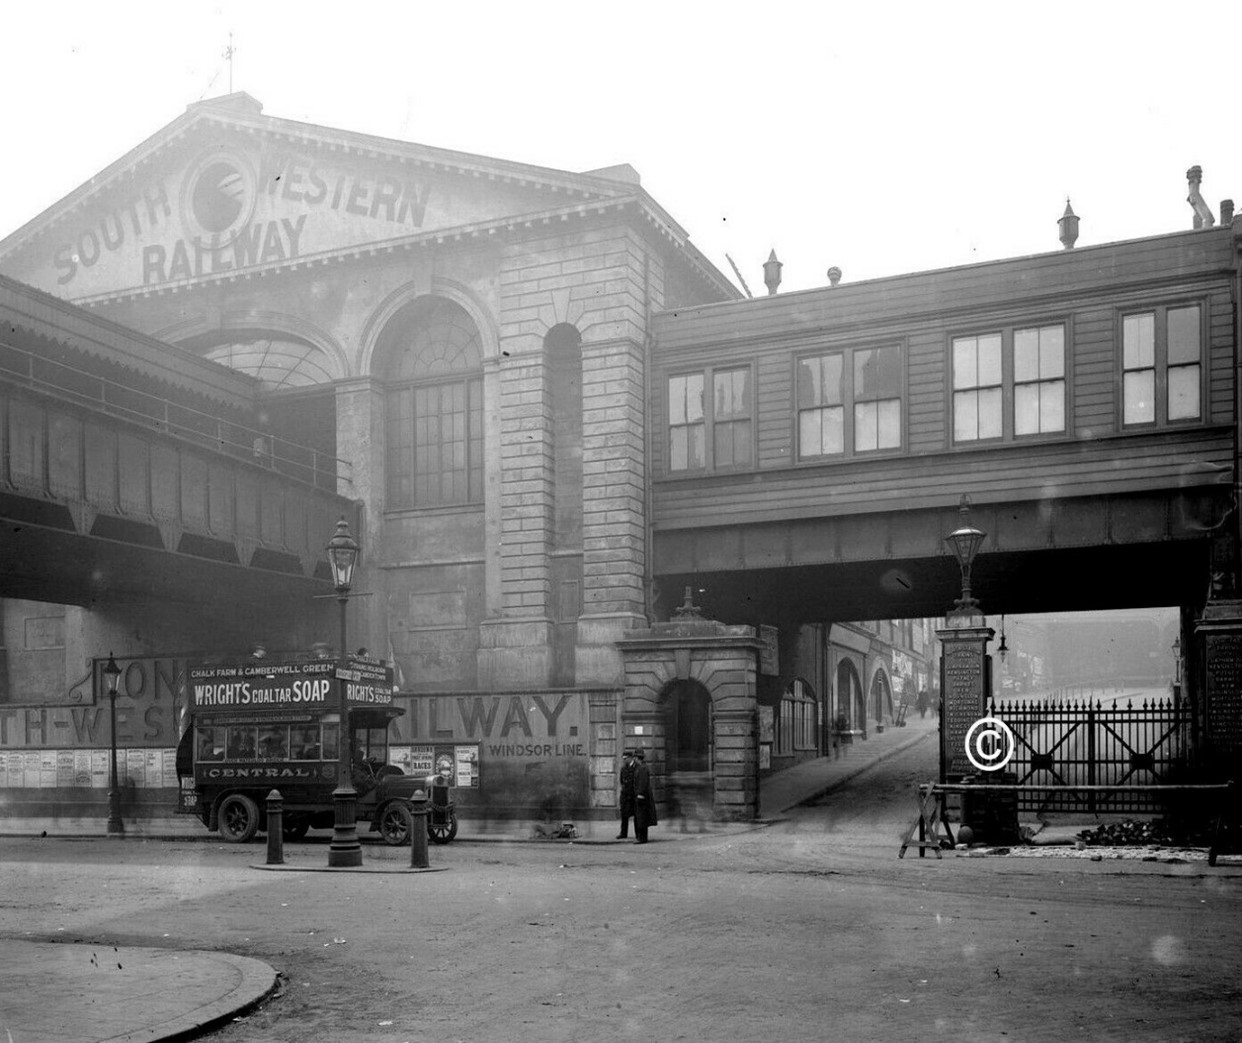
(1184, 351)
(686, 423)
(1139, 361)
(731, 420)
(977, 380)
(1162, 365)
(821, 409)
(1039, 380)
(877, 399)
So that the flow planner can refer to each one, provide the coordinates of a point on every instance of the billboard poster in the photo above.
(466, 766)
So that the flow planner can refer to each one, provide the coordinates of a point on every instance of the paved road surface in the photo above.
(809, 929)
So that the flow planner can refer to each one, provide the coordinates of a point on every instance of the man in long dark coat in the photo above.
(644, 799)
(627, 793)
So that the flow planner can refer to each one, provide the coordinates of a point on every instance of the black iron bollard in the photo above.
(275, 828)
(418, 833)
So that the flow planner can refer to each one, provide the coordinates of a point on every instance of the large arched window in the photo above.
(432, 368)
(280, 360)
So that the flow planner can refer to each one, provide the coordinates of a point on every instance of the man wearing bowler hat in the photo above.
(627, 794)
(644, 799)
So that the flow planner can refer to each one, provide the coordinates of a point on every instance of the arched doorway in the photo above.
(881, 697)
(851, 711)
(687, 728)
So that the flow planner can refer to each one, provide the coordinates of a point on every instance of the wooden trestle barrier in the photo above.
(933, 828)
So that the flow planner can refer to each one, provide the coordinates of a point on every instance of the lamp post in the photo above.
(345, 851)
(965, 541)
(112, 675)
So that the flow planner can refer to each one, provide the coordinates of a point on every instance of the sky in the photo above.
(881, 138)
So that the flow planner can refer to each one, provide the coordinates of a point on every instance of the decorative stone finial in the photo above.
(1068, 224)
(772, 273)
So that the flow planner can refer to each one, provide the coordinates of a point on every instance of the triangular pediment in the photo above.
(224, 188)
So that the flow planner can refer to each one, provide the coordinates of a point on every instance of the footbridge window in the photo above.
(1162, 365)
(1009, 383)
(710, 433)
(849, 402)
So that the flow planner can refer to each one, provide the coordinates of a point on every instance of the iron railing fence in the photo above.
(1085, 743)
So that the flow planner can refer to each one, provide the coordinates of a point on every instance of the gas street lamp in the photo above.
(345, 851)
(112, 675)
(965, 541)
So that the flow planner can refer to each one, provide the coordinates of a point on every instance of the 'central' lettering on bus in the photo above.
(257, 773)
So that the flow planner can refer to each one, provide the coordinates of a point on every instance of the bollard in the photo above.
(418, 831)
(275, 828)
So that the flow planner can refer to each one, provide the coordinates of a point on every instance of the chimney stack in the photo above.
(1203, 212)
(1226, 211)
(1068, 224)
(834, 275)
(772, 273)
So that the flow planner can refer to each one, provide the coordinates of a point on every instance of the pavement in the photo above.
(83, 993)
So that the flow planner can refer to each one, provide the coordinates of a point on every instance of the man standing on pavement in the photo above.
(627, 795)
(644, 799)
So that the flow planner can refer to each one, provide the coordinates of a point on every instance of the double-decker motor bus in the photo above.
(258, 726)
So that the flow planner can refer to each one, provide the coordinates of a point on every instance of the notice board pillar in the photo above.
(1218, 634)
(965, 687)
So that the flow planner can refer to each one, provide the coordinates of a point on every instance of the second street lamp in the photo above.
(345, 850)
(112, 675)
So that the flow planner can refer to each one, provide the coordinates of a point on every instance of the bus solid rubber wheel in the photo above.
(239, 818)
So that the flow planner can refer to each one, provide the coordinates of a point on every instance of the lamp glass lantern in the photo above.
(342, 556)
(965, 541)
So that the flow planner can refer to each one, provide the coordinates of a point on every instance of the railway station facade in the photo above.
(604, 500)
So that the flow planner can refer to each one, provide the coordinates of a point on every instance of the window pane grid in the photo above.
(687, 425)
(435, 444)
(1039, 384)
(868, 392)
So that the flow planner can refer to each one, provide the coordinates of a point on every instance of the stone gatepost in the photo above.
(724, 660)
(1218, 660)
(965, 686)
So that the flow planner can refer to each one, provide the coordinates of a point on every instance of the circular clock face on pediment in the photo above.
(218, 197)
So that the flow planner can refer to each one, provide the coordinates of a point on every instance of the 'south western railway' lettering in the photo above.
(144, 212)
(298, 180)
(263, 242)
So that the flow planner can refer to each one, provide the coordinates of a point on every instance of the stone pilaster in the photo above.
(516, 648)
(360, 442)
(613, 507)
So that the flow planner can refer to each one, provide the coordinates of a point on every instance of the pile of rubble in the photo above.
(1129, 833)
